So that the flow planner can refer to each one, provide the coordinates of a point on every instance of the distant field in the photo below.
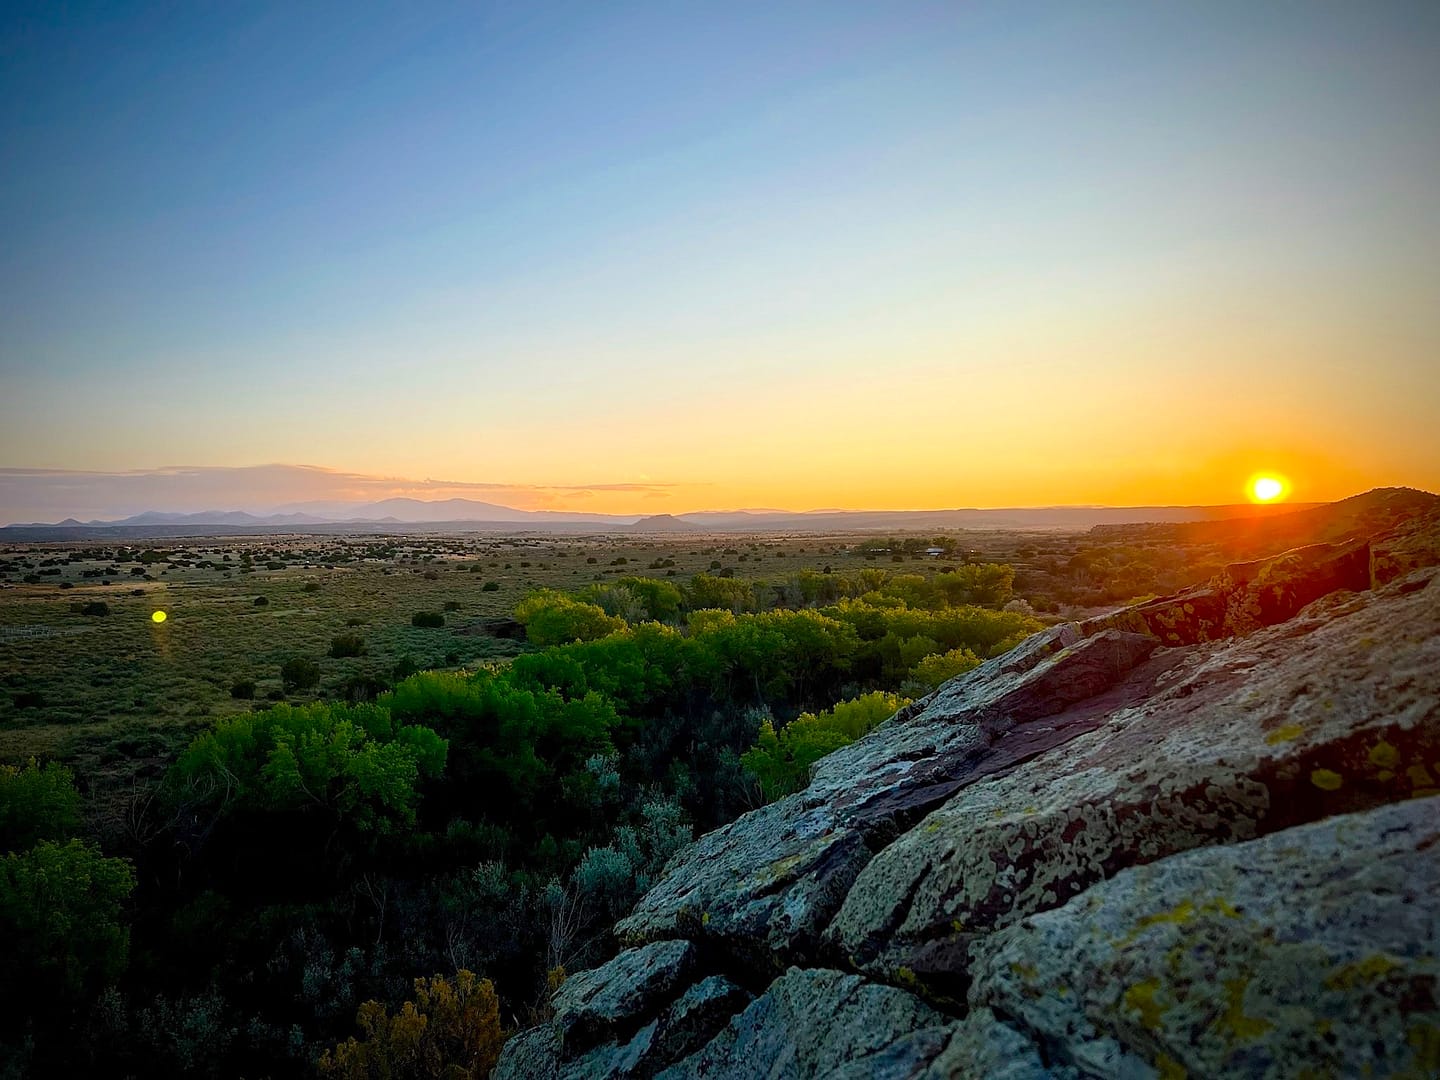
(116, 693)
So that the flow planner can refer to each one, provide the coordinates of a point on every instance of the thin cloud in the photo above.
(52, 494)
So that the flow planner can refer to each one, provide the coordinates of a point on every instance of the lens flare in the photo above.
(1267, 488)
(158, 617)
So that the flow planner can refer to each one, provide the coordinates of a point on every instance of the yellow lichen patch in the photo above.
(1141, 998)
(1288, 733)
(1167, 1068)
(1221, 905)
(1326, 779)
(1181, 913)
(1424, 1040)
(1235, 1021)
(1370, 970)
(705, 919)
(1420, 776)
(1024, 971)
(957, 926)
(906, 977)
(1384, 756)
(781, 867)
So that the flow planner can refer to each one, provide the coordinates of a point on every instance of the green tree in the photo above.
(662, 600)
(725, 594)
(37, 802)
(61, 919)
(349, 762)
(940, 668)
(554, 618)
(781, 759)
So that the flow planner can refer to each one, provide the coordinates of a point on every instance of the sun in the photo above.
(158, 617)
(1267, 488)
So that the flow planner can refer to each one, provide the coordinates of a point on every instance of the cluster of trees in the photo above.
(298, 867)
(907, 545)
(62, 907)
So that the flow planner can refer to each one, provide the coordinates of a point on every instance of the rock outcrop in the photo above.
(1196, 837)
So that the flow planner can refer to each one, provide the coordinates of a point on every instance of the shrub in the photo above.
(452, 605)
(311, 586)
(363, 687)
(261, 601)
(452, 1030)
(427, 620)
(95, 607)
(490, 586)
(298, 673)
(343, 645)
(243, 689)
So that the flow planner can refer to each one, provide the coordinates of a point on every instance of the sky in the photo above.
(676, 256)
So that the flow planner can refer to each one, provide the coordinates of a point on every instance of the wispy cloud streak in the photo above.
(52, 494)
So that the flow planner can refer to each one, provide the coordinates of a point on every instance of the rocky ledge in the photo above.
(1197, 837)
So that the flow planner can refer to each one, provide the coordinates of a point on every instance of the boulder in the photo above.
(681, 1028)
(1335, 711)
(1246, 596)
(1314, 951)
(813, 1023)
(766, 886)
(1269, 591)
(621, 994)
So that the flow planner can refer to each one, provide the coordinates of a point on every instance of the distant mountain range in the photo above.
(470, 515)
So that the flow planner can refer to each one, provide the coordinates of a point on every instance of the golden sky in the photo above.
(642, 259)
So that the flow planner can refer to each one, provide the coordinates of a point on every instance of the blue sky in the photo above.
(740, 246)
